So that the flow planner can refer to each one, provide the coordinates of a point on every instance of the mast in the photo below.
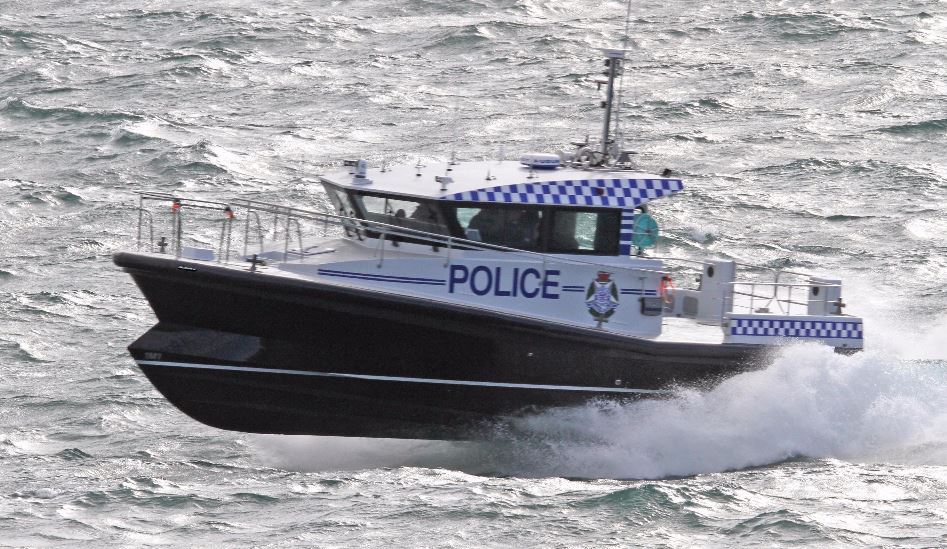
(613, 62)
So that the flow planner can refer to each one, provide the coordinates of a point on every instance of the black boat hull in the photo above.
(256, 353)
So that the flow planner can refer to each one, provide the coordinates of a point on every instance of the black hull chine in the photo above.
(250, 352)
(291, 404)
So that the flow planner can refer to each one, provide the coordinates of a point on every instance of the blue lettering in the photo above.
(549, 283)
(458, 275)
(497, 291)
(482, 280)
(473, 280)
(523, 289)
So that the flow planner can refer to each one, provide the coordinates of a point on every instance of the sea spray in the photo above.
(809, 402)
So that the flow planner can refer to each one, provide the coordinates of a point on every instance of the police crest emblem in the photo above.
(602, 297)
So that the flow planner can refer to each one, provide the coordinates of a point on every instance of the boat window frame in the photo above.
(550, 220)
(354, 196)
(451, 207)
(447, 210)
(345, 206)
(547, 220)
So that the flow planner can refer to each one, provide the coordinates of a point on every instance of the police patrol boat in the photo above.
(433, 300)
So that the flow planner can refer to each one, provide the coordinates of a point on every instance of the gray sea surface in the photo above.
(811, 136)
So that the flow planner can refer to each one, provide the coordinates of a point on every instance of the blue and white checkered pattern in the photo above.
(613, 193)
(796, 328)
(627, 232)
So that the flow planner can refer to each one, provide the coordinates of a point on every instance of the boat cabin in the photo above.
(555, 210)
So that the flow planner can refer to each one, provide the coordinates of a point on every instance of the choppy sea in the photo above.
(811, 135)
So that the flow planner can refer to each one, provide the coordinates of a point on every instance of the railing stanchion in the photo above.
(384, 237)
(246, 230)
(179, 226)
(141, 207)
(288, 236)
(229, 238)
(299, 235)
(220, 243)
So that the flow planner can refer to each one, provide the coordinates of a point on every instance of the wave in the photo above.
(811, 26)
(136, 135)
(188, 160)
(809, 403)
(694, 138)
(922, 127)
(19, 108)
(31, 193)
(20, 352)
(838, 167)
(848, 217)
(693, 107)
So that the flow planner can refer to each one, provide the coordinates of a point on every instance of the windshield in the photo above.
(558, 230)
(403, 212)
(503, 226)
(533, 227)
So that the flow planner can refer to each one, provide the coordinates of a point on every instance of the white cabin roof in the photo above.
(510, 182)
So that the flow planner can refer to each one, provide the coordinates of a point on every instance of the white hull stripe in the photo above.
(396, 378)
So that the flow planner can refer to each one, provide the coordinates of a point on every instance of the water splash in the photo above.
(810, 402)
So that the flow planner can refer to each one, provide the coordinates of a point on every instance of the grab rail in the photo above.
(294, 216)
(775, 297)
(289, 218)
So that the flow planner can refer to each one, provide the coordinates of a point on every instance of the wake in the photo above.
(809, 402)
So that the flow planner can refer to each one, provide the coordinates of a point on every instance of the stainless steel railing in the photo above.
(287, 229)
(210, 220)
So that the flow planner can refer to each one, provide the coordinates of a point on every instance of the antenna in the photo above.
(619, 136)
(624, 42)
(453, 135)
(613, 62)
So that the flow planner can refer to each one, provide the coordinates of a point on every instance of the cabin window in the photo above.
(509, 226)
(340, 201)
(418, 215)
(584, 231)
(344, 207)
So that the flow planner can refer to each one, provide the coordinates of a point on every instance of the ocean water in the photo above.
(811, 136)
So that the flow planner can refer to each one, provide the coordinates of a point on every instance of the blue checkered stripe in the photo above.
(822, 329)
(626, 232)
(616, 193)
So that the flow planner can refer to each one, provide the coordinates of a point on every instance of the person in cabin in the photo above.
(426, 218)
(510, 227)
(521, 228)
(487, 225)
